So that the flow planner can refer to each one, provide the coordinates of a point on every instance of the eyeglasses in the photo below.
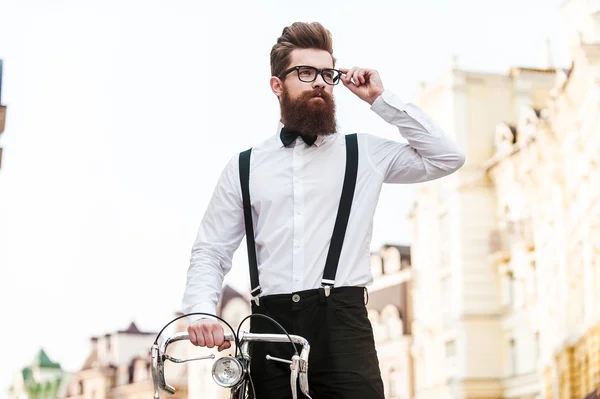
(309, 74)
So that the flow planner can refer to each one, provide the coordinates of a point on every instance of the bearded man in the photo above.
(305, 199)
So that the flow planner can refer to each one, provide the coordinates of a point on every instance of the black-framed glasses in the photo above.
(308, 74)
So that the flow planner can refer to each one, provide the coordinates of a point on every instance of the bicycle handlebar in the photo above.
(298, 364)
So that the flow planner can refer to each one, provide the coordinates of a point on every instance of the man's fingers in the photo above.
(192, 334)
(218, 334)
(355, 77)
(362, 75)
(351, 86)
(208, 336)
(200, 337)
(350, 75)
(224, 345)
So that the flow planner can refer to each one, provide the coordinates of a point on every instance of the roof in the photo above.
(513, 130)
(132, 329)
(90, 360)
(42, 360)
(516, 70)
(27, 374)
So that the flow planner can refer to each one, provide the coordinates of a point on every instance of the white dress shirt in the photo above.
(295, 194)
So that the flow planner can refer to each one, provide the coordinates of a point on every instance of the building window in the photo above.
(393, 377)
(512, 290)
(537, 348)
(513, 356)
(509, 290)
(533, 292)
(445, 242)
(450, 349)
(446, 305)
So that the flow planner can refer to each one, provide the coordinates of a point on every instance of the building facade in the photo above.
(42, 379)
(389, 305)
(2, 111)
(505, 251)
(118, 366)
(551, 243)
(459, 315)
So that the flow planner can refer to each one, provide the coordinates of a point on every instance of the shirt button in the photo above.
(296, 298)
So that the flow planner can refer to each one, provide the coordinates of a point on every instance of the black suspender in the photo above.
(341, 221)
(245, 181)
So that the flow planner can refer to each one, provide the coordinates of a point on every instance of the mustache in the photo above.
(315, 93)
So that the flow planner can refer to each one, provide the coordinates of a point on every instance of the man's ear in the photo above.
(276, 86)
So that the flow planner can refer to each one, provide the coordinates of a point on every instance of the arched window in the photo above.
(391, 260)
(393, 383)
(390, 317)
(379, 330)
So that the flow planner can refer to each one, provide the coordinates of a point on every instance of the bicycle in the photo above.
(233, 372)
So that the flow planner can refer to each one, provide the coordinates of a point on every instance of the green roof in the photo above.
(43, 361)
(26, 374)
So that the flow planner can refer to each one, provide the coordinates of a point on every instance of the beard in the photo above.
(307, 115)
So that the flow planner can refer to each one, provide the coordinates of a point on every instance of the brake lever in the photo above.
(304, 384)
(158, 373)
(175, 360)
(294, 375)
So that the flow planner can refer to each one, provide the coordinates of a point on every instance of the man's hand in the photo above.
(365, 83)
(209, 333)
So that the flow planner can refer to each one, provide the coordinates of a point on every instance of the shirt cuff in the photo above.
(202, 308)
(387, 105)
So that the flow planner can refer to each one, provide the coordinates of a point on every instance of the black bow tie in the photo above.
(289, 136)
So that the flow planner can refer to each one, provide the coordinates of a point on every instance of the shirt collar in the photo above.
(319, 142)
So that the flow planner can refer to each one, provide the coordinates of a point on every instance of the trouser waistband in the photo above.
(300, 299)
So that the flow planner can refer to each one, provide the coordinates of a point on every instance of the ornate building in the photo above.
(459, 314)
(506, 252)
(2, 111)
(42, 379)
(390, 312)
(118, 366)
(547, 175)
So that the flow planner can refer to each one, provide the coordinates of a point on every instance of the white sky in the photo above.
(121, 115)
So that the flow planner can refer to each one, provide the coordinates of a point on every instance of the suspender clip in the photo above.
(327, 289)
(255, 293)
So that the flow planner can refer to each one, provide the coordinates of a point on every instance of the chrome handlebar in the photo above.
(298, 364)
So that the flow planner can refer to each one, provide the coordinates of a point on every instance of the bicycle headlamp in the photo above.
(228, 371)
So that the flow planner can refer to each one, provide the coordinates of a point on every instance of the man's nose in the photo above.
(319, 82)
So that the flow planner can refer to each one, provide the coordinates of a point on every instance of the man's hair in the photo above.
(301, 35)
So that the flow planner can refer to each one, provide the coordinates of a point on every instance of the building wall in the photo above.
(511, 240)
(390, 310)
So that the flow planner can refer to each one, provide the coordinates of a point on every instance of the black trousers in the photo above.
(342, 363)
